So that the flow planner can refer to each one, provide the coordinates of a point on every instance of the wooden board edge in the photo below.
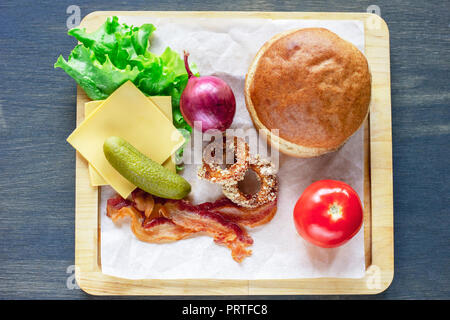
(90, 278)
(381, 154)
(367, 196)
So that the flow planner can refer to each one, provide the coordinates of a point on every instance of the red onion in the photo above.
(207, 99)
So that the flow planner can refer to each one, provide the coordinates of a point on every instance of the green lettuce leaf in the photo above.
(116, 53)
(97, 79)
(119, 42)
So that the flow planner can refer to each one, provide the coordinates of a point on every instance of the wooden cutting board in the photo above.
(378, 189)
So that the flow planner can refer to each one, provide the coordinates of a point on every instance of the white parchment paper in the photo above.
(225, 48)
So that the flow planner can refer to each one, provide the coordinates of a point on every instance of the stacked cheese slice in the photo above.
(146, 123)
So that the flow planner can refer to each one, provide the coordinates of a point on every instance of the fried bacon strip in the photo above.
(158, 220)
(223, 231)
(155, 230)
(250, 217)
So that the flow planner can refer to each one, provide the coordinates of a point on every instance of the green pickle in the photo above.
(143, 172)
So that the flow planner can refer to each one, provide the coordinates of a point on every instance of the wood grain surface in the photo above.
(37, 113)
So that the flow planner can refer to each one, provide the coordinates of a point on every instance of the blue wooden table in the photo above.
(37, 113)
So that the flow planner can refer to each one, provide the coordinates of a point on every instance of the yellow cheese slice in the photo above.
(164, 104)
(129, 114)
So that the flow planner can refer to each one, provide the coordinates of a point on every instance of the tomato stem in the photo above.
(335, 211)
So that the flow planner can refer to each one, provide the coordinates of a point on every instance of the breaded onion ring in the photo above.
(215, 173)
(265, 171)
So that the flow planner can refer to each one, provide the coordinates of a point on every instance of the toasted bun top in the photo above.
(311, 85)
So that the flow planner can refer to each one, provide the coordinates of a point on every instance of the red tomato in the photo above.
(328, 213)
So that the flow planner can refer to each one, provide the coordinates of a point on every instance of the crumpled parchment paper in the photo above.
(225, 48)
